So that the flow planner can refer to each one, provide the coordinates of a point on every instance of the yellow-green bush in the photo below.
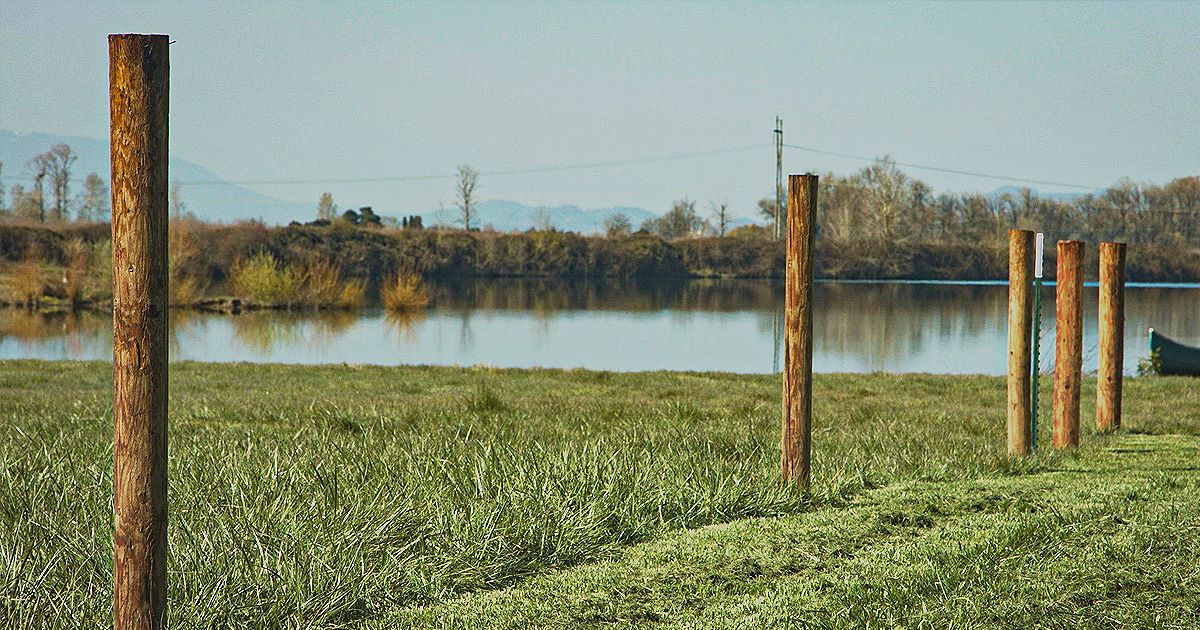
(404, 292)
(262, 280)
(324, 286)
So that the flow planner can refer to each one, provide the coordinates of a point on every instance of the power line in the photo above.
(940, 169)
(626, 162)
(516, 171)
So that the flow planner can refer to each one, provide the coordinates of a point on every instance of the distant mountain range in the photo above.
(219, 201)
(507, 216)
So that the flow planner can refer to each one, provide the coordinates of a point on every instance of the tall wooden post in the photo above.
(1020, 325)
(138, 84)
(1068, 342)
(1112, 336)
(798, 343)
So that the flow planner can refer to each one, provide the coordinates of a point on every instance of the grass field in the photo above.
(393, 497)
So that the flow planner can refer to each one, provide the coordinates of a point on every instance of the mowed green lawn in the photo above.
(393, 497)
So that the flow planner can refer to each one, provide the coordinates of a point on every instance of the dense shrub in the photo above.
(263, 280)
(637, 255)
(205, 254)
(732, 256)
(404, 292)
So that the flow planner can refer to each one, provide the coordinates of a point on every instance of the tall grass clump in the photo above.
(99, 272)
(86, 275)
(404, 292)
(27, 282)
(186, 287)
(324, 287)
(75, 273)
(263, 280)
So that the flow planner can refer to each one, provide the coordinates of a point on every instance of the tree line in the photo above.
(881, 206)
(878, 209)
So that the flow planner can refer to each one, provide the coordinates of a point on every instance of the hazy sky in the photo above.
(1078, 93)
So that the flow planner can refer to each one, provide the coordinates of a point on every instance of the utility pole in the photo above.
(779, 178)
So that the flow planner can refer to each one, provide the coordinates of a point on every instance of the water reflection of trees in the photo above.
(263, 331)
(403, 324)
(76, 330)
(877, 323)
(547, 295)
(1176, 312)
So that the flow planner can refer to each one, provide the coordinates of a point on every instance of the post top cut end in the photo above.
(112, 36)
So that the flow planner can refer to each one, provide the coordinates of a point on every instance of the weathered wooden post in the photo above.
(1112, 336)
(1068, 342)
(1020, 324)
(138, 85)
(798, 343)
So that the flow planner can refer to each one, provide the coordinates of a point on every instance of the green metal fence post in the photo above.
(1037, 339)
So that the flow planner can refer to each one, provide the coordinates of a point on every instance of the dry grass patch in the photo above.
(404, 292)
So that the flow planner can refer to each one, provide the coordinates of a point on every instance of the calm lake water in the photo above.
(726, 325)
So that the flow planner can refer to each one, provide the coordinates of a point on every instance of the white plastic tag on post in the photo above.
(1037, 255)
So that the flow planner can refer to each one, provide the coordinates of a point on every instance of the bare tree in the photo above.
(39, 164)
(468, 178)
(767, 208)
(885, 187)
(24, 204)
(679, 221)
(178, 207)
(618, 225)
(541, 220)
(57, 164)
(93, 204)
(326, 209)
(720, 214)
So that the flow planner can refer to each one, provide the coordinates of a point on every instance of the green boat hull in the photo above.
(1174, 358)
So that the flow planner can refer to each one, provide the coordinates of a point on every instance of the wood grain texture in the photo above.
(1068, 342)
(1020, 327)
(138, 87)
(1112, 336)
(798, 342)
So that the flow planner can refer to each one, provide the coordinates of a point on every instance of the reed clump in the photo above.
(75, 273)
(99, 271)
(264, 281)
(186, 286)
(404, 292)
(84, 278)
(324, 287)
(26, 283)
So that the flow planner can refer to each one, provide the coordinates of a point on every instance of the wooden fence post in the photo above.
(1068, 342)
(1112, 336)
(798, 343)
(138, 86)
(1020, 326)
